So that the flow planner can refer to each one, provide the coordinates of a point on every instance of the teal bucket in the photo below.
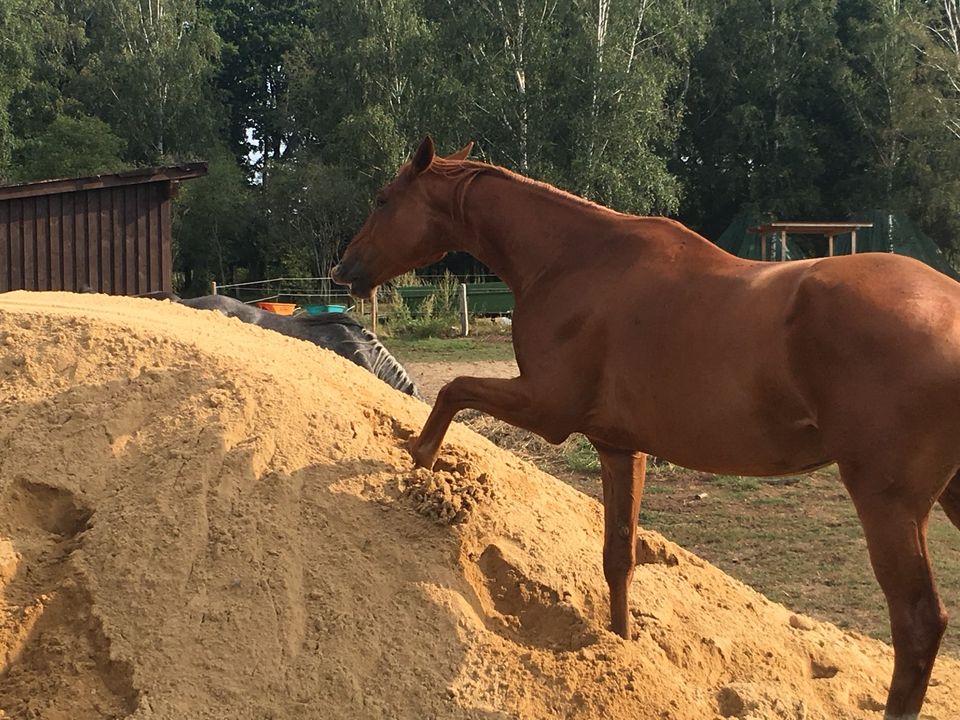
(320, 309)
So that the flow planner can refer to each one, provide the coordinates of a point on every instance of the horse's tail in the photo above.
(368, 351)
(386, 367)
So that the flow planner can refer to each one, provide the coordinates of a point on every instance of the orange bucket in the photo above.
(277, 308)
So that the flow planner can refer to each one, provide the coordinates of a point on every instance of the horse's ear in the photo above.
(424, 155)
(463, 153)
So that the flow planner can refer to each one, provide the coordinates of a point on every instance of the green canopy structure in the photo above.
(751, 235)
(738, 240)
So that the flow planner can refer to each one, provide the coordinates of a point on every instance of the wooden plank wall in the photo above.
(116, 240)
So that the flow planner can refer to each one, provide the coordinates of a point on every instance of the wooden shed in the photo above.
(109, 232)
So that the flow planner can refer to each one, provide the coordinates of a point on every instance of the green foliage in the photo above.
(359, 83)
(761, 120)
(70, 147)
(311, 212)
(634, 57)
(21, 38)
(806, 109)
(900, 83)
(436, 316)
(212, 222)
(257, 36)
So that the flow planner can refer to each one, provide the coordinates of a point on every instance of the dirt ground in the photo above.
(431, 376)
(201, 519)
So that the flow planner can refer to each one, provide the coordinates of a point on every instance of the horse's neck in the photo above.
(519, 229)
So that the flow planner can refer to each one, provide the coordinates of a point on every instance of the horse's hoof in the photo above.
(421, 459)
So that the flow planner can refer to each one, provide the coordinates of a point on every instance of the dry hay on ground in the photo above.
(200, 519)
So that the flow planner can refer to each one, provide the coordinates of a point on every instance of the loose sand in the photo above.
(200, 519)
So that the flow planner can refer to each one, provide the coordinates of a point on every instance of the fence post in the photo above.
(373, 311)
(464, 318)
(213, 287)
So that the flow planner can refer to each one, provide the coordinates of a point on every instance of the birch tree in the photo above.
(942, 55)
(150, 74)
(904, 108)
(509, 57)
(637, 62)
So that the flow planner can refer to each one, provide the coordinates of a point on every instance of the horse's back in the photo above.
(864, 303)
(750, 357)
(231, 307)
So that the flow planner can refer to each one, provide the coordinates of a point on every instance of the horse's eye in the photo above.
(381, 200)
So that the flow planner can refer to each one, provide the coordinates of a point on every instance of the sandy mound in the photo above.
(200, 519)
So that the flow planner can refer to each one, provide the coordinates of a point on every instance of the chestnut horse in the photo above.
(647, 338)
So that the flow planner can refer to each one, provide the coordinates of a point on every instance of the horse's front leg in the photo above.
(508, 400)
(623, 473)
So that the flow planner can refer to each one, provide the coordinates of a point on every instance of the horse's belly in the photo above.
(714, 433)
(728, 452)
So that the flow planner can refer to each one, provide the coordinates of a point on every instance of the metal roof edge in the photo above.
(134, 176)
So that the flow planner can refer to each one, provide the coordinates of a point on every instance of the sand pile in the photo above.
(199, 519)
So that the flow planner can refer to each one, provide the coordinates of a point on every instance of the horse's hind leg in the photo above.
(623, 474)
(895, 524)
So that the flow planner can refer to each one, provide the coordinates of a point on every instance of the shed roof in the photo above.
(96, 182)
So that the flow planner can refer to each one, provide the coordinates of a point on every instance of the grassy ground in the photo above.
(799, 544)
(490, 343)
(797, 540)
(449, 349)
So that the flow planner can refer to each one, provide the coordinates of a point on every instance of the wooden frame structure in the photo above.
(828, 229)
(108, 232)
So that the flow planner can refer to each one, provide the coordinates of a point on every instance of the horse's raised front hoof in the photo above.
(422, 458)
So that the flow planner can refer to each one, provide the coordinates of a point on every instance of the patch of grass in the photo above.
(800, 544)
(581, 456)
(770, 500)
(435, 349)
(737, 484)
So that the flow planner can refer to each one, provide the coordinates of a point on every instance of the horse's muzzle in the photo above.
(358, 282)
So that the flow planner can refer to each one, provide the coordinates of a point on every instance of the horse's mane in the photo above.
(464, 172)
